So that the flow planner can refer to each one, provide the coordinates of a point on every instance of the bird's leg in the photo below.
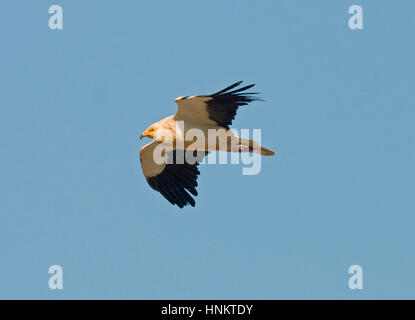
(239, 147)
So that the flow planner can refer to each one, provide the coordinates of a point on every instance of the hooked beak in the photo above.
(145, 134)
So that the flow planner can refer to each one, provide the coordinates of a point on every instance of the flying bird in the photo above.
(176, 178)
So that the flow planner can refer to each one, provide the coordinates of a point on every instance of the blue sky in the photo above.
(339, 111)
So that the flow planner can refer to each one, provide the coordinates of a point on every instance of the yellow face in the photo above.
(149, 132)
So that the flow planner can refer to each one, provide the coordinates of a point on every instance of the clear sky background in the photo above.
(339, 111)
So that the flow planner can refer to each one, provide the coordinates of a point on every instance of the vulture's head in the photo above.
(149, 132)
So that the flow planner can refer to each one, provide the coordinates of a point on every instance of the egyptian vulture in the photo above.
(176, 177)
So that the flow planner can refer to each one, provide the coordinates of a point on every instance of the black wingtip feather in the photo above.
(228, 88)
(177, 180)
(224, 104)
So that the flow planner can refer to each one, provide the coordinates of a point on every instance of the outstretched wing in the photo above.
(216, 109)
(174, 179)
